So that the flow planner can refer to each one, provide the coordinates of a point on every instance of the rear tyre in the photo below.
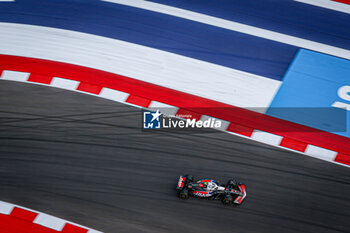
(227, 200)
(183, 194)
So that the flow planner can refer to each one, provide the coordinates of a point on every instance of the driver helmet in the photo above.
(232, 182)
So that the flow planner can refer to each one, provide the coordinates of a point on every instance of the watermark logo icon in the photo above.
(152, 120)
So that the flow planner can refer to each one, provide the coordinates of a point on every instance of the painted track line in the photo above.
(253, 125)
(239, 27)
(162, 68)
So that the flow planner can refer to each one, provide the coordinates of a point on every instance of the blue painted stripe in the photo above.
(192, 39)
(309, 90)
(285, 16)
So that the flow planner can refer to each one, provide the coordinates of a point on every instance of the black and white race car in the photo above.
(233, 192)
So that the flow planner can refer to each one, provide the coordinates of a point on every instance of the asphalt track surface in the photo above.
(86, 160)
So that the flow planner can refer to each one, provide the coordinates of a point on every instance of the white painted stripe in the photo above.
(337, 6)
(15, 76)
(224, 124)
(230, 25)
(7, 0)
(320, 153)
(50, 221)
(268, 138)
(166, 109)
(177, 72)
(64, 83)
(114, 95)
(5, 208)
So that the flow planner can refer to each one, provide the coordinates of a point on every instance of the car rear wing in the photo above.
(181, 182)
(242, 195)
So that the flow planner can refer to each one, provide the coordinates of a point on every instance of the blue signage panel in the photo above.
(315, 92)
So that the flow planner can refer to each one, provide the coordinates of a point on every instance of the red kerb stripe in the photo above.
(10, 224)
(240, 129)
(343, 158)
(343, 1)
(23, 214)
(90, 88)
(69, 228)
(293, 144)
(137, 100)
(37, 78)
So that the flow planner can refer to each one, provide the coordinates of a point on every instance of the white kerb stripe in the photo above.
(114, 95)
(230, 25)
(268, 138)
(165, 109)
(50, 221)
(64, 83)
(224, 124)
(5, 208)
(15, 75)
(320, 153)
(336, 6)
(94, 231)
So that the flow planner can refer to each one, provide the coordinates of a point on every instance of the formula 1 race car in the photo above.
(233, 192)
